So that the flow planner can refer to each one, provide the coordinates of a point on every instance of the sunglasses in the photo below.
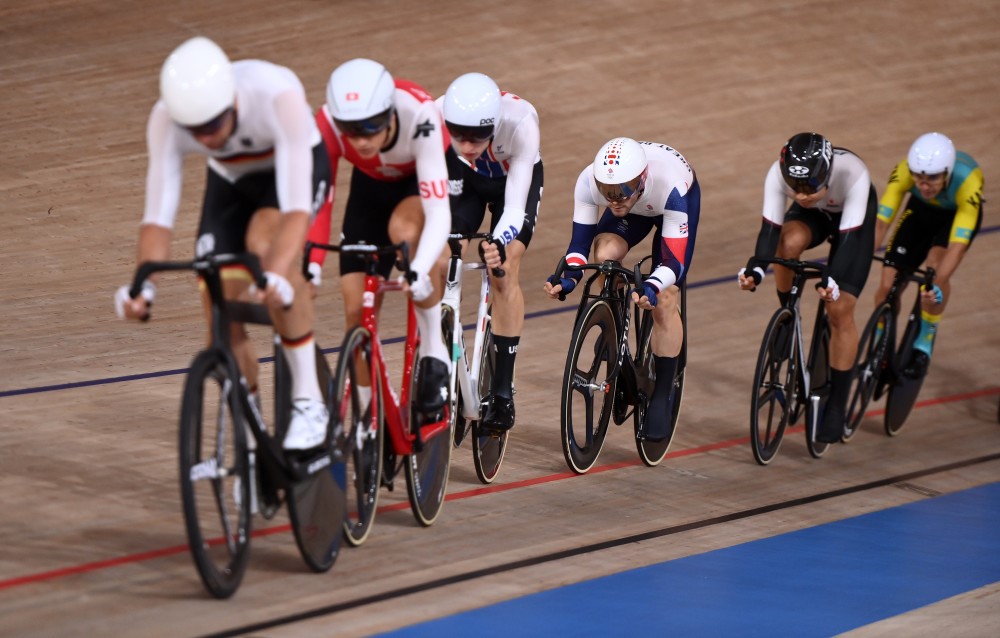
(363, 128)
(210, 127)
(475, 134)
(617, 193)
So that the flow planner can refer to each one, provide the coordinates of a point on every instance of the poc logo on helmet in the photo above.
(798, 171)
(486, 121)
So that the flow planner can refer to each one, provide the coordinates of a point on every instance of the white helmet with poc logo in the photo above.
(472, 107)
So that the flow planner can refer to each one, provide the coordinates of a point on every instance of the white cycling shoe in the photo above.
(307, 430)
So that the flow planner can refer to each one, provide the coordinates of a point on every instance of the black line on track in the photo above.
(594, 547)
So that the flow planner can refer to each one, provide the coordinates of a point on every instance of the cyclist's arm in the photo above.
(773, 213)
(319, 230)
(900, 183)
(432, 174)
(293, 169)
(674, 238)
(852, 222)
(585, 214)
(969, 198)
(524, 153)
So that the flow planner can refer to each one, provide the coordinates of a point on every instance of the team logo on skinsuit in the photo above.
(455, 187)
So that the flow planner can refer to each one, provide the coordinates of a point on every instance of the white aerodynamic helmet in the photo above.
(360, 96)
(472, 107)
(197, 82)
(931, 154)
(620, 169)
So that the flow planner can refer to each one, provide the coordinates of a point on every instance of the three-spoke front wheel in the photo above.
(215, 475)
(588, 386)
(774, 386)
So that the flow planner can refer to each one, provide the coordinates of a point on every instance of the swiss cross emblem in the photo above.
(352, 97)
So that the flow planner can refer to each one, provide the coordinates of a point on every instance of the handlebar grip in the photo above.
(929, 278)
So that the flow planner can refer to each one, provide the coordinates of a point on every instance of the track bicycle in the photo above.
(785, 383)
(603, 379)
(471, 372)
(223, 474)
(384, 431)
(880, 362)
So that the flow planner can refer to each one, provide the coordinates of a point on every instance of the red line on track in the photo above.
(480, 491)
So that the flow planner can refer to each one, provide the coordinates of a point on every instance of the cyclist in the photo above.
(833, 198)
(941, 218)
(266, 170)
(391, 132)
(494, 161)
(640, 186)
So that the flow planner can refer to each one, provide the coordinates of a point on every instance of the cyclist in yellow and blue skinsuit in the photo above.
(941, 218)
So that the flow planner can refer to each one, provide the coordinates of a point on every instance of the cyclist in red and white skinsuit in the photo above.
(392, 133)
(267, 172)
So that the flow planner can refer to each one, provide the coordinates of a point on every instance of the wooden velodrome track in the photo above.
(92, 540)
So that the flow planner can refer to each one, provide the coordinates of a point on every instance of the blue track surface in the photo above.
(814, 582)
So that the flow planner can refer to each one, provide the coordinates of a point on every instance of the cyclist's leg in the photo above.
(844, 328)
(407, 224)
(803, 228)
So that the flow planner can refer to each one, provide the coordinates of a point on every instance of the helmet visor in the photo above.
(470, 133)
(806, 185)
(621, 192)
(210, 127)
(369, 126)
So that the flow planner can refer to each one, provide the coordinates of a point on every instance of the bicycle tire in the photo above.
(488, 447)
(427, 468)
(775, 380)
(215, 481)
(363, 434)
(819, 379)
(902, 392)
(458, 425)
(578, 421)
(652, 452)
(871, 360)
(317, 502)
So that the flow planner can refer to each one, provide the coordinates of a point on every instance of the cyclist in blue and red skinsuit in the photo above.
(639, 186)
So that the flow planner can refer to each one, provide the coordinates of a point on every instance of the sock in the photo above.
(505, 349)
(429, 322)
(364, 396)
(928, 330)
(301, 357)
(840, 386)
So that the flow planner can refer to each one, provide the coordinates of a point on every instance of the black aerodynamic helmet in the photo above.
(806, 162)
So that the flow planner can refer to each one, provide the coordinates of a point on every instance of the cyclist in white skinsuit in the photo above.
(640, 186)
(392, 134)
(833, 198)
(267, 171)
(494, 162)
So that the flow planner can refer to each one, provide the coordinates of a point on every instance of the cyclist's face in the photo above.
(930, 186)
(622, 207)
(213, 134)
(368, 146)
(810, 200)
(470, 149)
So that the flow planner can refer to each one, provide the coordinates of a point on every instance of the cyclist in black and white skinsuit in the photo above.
(494, 161)
(833, 198)
(267, 174)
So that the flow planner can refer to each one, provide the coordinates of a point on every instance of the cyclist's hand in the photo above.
(421, 287)
(933, 296)
(279, 292)
(830, 291)
(315, 278)
(749, 280)
(492, 253)
(559, 287)
(128, 308)
(645, 297)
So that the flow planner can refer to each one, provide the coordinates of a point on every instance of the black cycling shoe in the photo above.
(831, 430)
(659, 423)
(432, 386)
(499, 415)
(917, 367)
